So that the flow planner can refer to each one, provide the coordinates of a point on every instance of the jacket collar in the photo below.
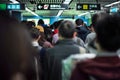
(65, 41)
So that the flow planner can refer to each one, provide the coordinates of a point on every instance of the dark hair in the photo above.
(79, 22)
(30, 24)
(108, 32)
(57, 24)
(67, 29)
(35, 33)
(16, 51)
(98, 16)
(40, 22)
(24, 22)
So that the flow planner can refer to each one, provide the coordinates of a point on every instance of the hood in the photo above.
(102, 68)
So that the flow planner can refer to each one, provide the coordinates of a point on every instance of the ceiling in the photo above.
(31, 4)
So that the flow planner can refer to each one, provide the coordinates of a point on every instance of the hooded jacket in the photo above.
(102, 67)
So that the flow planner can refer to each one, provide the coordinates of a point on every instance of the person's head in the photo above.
(16, 50)
(108, 33)
(67, 29)
(40, 22)
(24, 22)
(30, 24)
(57, 24)
(98, 16)
(79, 22)
(35, 33)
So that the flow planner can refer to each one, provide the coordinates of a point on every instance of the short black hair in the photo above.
(35, 33)
(40, 22)
(57, 24)
(79, 22)
(108, 33)
(30, 24)
(67, 29)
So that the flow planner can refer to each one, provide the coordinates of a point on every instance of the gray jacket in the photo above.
(54, 57)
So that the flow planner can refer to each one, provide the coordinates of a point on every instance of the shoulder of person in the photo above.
(82, 50)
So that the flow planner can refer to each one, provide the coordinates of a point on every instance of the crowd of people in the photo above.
(65, 50)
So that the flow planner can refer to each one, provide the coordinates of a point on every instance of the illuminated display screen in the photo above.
(112, 10)
(52, 6)
(15, 7)
(88, 7)
(12, 6)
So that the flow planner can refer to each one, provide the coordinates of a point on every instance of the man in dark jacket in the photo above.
(106, 64)
(64, 48)
(82, 31)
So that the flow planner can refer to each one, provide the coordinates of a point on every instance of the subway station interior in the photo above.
(59, 39)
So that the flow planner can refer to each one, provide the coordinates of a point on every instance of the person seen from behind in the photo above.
(82, 30)
(63, 48)
(105, 65)
(16, 51)
(90, 39)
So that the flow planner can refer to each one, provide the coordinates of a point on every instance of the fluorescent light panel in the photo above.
(66, 2)
(61, 11)
(31, 12)
(14, 1)
(82, 14)
(112, 4)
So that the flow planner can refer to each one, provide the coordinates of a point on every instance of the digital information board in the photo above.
(52, 6)
(86, 6)
(114, 9)
(12, 6)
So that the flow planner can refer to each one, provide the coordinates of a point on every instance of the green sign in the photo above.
(12, 6)
(2, 6)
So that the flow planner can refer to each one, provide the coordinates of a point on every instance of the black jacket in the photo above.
(82, 32)
(54, 57)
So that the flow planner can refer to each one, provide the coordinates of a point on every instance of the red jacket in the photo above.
(99, 68)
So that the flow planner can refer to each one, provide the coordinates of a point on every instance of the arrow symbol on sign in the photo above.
(39, 6)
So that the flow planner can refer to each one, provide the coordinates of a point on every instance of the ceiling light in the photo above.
(109, 5)
(14, 1)
(59, 13)
(82, 14)
(66, 1)
(31, 12)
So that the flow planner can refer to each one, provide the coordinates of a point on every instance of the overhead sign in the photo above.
(86, 6)
(114, 9)
(12, 6)
(2, 6)
(15, 7)
(52, 6)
